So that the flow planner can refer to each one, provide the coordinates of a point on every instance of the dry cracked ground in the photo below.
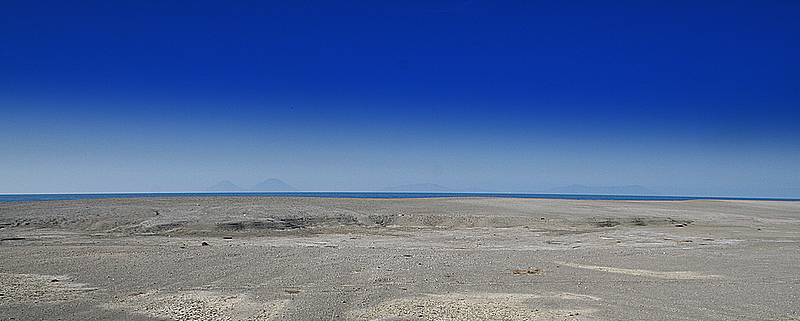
(275, 258)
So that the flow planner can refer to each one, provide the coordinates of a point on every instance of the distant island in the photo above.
(601, 190)
(225, 186)
(269, 185)
(273, 185)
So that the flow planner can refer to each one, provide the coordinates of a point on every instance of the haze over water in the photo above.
(154, 96)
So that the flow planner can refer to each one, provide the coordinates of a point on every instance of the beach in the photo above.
(459, 258)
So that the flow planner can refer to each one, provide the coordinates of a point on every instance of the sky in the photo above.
(681, 97)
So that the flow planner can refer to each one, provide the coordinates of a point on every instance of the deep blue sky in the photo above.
(682, 97)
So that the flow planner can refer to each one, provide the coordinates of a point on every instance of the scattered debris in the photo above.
(519, 272)
(607, 223)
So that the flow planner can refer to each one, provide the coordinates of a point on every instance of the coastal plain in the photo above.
(459, 258)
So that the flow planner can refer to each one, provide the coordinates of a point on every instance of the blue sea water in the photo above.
(55, 197)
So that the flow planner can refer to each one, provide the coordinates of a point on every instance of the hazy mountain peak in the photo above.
(224, 186)
(273, 185)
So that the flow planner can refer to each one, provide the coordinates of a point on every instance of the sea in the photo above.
(85, 196)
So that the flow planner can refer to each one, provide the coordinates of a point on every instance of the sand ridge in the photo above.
(688, 275)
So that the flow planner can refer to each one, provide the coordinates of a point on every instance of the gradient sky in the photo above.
(681, 97)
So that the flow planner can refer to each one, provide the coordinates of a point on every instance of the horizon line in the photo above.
(693, 197)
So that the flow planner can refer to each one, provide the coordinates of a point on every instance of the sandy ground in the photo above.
(399, 259)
